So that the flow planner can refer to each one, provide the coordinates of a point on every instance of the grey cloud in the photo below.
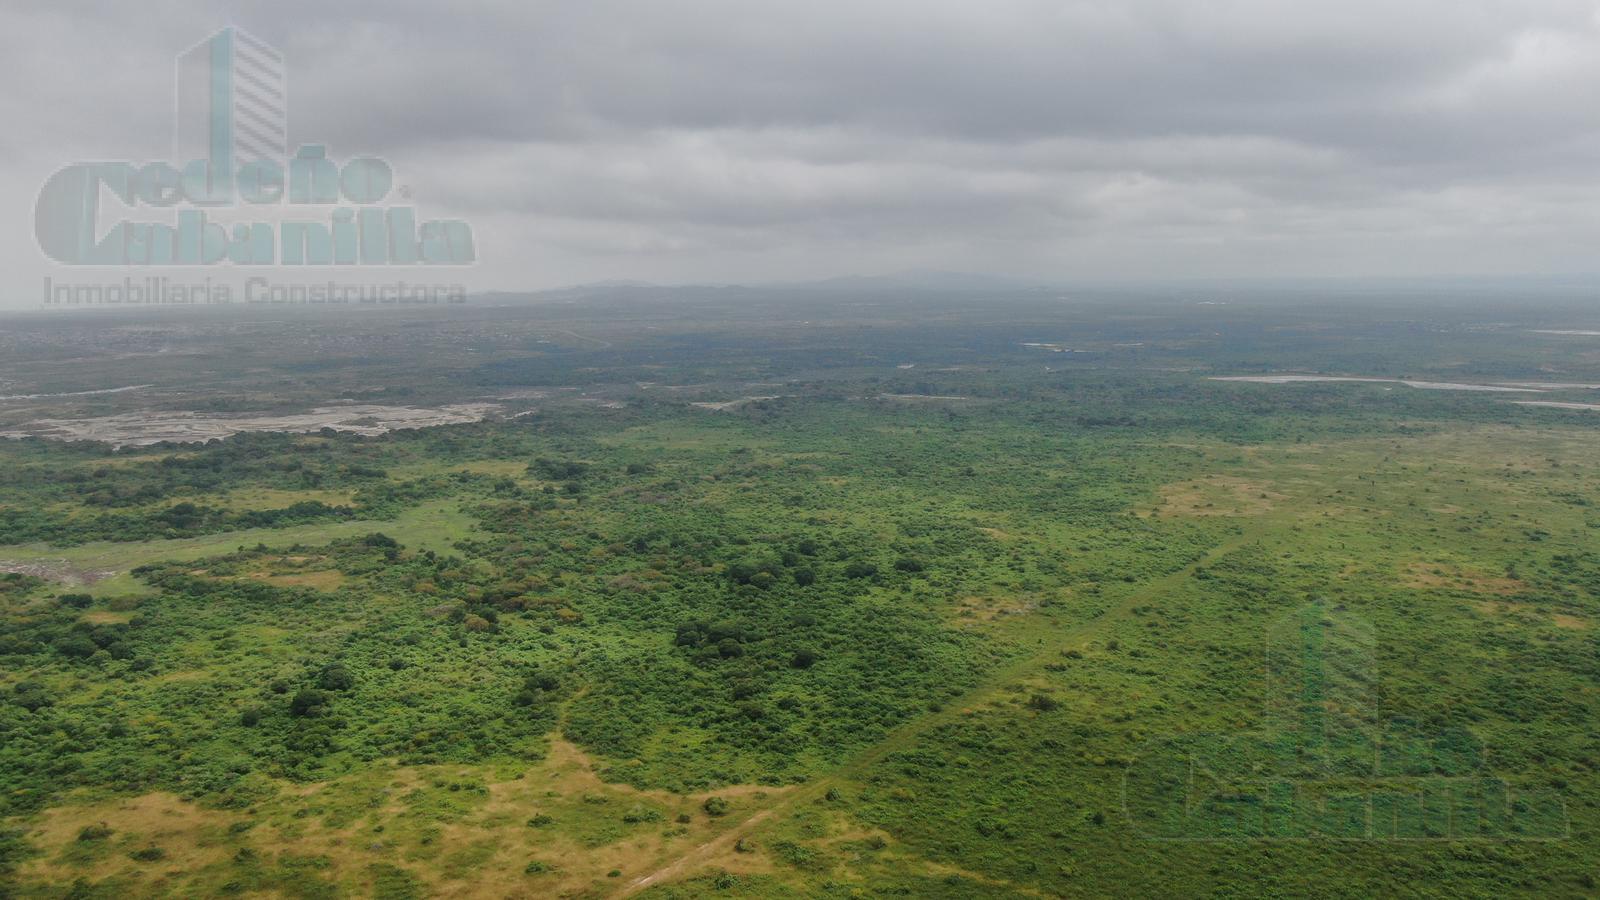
(717, 139)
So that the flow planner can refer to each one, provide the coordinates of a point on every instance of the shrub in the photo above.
(77, 646)
(795, 855)
(307, 702)
(335, 677)
(641, 813)
(30, 696)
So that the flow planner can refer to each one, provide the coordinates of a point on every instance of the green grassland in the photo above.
(927, 632)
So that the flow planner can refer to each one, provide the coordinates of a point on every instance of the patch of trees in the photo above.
(558, 469)
(16, 584)
(59, 631)
(183, 519)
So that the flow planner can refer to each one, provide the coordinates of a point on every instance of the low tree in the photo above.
(307, 702)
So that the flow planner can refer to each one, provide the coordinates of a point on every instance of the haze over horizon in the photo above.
(723, 142)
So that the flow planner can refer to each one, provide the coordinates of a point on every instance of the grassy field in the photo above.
(102, 568)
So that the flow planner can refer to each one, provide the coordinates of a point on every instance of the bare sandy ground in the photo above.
(1554, 385)
(115, 390)
(1508, 388)
(727, 405)
(1555, 405)
(140, 428)
(56, 570)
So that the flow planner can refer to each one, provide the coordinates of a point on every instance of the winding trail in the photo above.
(905, 735)
(600, 344)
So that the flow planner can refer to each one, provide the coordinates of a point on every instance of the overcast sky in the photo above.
(741, 140)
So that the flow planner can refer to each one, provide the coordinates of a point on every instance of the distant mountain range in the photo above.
(930, 281)
(919, 280)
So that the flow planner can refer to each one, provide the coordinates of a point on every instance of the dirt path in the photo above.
(906, 735)
(600, 344)
(711, 849)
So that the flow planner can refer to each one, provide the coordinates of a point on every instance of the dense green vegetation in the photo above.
(101, 498)
(842, 628)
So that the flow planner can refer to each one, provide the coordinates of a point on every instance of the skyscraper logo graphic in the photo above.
(232, 100)
(231, 154)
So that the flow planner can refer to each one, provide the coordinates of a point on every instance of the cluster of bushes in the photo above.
(59, 630)
(183, 519)
(152, 499)
(16, 584)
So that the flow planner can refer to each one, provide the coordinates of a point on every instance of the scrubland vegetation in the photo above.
(897, 632)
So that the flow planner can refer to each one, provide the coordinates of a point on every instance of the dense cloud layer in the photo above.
(734, 140)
